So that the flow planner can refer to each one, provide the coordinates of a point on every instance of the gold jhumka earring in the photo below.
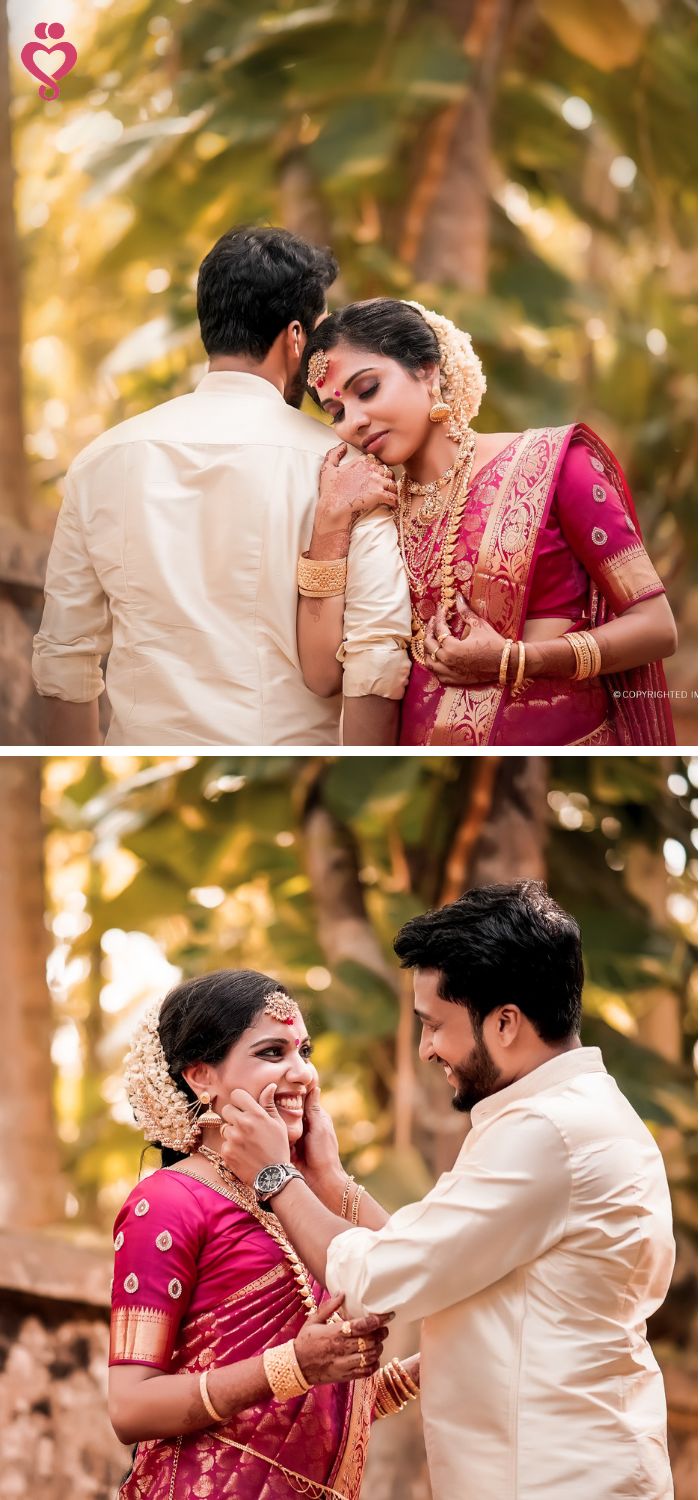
(439, 411)
(209, 1117)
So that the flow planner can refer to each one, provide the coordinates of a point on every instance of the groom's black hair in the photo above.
(254, 283)
(503, 944)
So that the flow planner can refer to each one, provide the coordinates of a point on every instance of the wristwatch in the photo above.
(271, 1179)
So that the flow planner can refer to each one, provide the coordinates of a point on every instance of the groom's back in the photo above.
(191, 517)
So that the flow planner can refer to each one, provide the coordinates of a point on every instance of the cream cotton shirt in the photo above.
(176, 549)
(534, 1265)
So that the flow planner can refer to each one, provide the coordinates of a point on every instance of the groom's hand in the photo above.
(316, 1154)
(346, 491)
(253, 1134)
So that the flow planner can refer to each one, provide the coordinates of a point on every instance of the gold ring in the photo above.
(361, 1344)
(442, 637)
(363, 1361)
(434, 655)
(346, 1328)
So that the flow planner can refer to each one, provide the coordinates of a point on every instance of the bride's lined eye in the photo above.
(337, 415)
(370, 391)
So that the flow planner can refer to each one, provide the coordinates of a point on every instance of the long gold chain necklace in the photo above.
(441, 558)
(242, 1195)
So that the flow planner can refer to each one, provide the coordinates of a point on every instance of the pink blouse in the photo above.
(588, 531)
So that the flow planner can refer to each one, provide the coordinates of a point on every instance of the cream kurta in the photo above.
(534, 1264)
(175, 550)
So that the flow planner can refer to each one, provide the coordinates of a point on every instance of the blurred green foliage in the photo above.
(182, 119)
(218, 859)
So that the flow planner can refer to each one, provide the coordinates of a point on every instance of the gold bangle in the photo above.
(284, 1375)
(355, 1210)
(386, 1401)
(578, 646)
(393, 1389)
(505, 663)
(594, 648)
(206, 1399)
(408, 1385)
(318, 579)
(344, 1205)
(518, 683)
(587, 654)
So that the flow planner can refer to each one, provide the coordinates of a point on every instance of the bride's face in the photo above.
(268, 1052)
(376, 404)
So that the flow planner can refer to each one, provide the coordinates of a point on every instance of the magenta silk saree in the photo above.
(199, 1283)
(549, 529)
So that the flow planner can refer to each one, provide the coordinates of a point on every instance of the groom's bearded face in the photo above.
(456, 1043)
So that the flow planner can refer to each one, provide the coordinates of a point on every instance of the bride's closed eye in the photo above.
(371, 391)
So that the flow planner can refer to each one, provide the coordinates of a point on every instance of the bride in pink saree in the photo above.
(538, 617)
(207, 1286)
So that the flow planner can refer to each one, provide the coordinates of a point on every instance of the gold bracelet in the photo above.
(344, 1205)
(206, 1399)
(518, 683)
(318, 579)
(505, 663)
(355, 1210)
(284, 1375)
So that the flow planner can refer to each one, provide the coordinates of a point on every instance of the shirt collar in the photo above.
(237, 383)
(557, 1070)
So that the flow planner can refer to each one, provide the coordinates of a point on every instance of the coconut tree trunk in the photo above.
(446, 233)
(30, 1190)
(22, 556)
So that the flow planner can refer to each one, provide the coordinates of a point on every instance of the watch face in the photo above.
(269, 1179)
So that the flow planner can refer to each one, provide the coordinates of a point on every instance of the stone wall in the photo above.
(56, 1442)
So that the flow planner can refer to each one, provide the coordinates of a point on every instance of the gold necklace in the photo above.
(431, 491)
(242, 1195)
(443, 554)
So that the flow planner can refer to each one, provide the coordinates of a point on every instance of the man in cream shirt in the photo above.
(535, 1263)
(177, 542)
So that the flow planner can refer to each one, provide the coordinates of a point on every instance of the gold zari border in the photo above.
(505, 556)
(628, 576)
(141, 1335)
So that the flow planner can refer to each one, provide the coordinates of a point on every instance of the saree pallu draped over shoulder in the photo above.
(508, 507)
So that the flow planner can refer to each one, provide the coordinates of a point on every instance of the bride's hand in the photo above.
(346, 491)
(475, 658)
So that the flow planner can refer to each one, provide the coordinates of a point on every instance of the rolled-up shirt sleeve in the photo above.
(377, 626)
(76, 626)
(506, 1203)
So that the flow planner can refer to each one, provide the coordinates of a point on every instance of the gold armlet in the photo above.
(284, 1374)
(321, 579)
